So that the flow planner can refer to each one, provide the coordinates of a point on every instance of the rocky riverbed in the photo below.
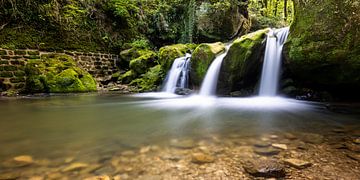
(277, 155)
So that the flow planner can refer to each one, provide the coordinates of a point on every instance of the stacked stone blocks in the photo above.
(12, 65)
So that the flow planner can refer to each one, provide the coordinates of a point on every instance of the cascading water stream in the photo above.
(272, 61)
(208, 87)
(178, 75)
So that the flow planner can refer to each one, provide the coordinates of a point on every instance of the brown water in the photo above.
(93, 129)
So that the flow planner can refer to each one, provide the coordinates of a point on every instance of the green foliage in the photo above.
(271, 13)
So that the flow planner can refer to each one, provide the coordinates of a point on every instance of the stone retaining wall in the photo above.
(12, 65)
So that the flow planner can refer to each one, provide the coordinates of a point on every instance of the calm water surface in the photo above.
(93, 125)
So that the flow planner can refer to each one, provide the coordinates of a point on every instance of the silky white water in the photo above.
(178, 75)
(272, 61)
(209, 84)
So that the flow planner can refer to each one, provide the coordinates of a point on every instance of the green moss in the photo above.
(201, 59)
(321, 46)
(143, 62)
(2, 52)
(57, 75)
(241, 66)
(127, 77)
(168, 54)
(151, 80)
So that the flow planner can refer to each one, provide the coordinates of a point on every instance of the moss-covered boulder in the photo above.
(221, 20)
(201, 59)
(323, 48)
(242, 65)
(168, 54)
(127, 77)
(142, 63)
(151, 80)
(57, 74)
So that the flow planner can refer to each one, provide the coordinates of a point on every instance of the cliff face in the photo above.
(323, 49)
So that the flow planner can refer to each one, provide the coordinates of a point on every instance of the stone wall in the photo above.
(12, 65)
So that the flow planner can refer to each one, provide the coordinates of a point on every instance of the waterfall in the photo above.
(272, 61)
(209, 84)
(178, 75)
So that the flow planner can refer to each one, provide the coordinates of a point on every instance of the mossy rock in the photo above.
(168, 54)
(201, 59)
(242, 65)
(151, 80)
(127, 77)
(142, 63)
(57, 75)
(221, 20)
(323, 49)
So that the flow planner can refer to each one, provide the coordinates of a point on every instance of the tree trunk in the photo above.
(285, 10)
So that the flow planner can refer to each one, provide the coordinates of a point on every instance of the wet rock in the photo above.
(183, 144)
(265, 168)
(354, 156)
(69, 160)
(9, 175)
(266, 151)
(103, 177)
(339, 130)
(356, 140)
(313, 138)
(183, 91)
(91, 168)
(55, 175)
(172, 157)
(262, 144)
(280, 146)
(18, 161)
(128, 153)
(297, 163)
(150, 177)
(36, 178)
(75, 167)
(24, 159)
(144, 149)
(201, 158)
(290, 136)
(353, 147)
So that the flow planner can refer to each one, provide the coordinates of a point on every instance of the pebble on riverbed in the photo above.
(201, 158)
(75, 167)
(297, 163)
(265, 168)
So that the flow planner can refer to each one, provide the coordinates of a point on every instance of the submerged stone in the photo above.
(201, 158)
(297, 163)
(280, 146)
(75, 167)
(266, 151)
(265, 168)
(182, 144)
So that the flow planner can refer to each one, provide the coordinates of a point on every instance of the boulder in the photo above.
(58, 74)
(149, 81)
(241, 67)
(221, 20)
(323, 48)
(201, 59)
(168, 54)
(142, 63)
